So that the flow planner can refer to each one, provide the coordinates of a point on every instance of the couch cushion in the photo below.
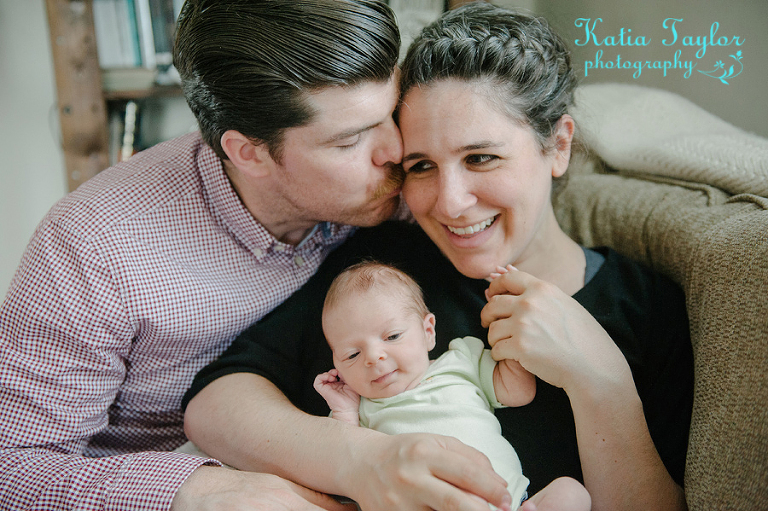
(690, 217)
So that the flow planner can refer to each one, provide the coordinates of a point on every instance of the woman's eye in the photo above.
(418, 167)
(480, 159)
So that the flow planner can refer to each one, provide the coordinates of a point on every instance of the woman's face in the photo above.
(476, 180)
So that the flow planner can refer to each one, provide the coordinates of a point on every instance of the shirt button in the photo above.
(298, 260)
(258, 252)
(279, 248)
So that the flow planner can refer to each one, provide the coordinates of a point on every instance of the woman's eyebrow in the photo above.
(413, 156)
(469, 147)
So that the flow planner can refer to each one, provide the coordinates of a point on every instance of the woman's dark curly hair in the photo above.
(525, 63)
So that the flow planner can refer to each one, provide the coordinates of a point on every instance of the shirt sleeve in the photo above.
(287, 346)
(64, 333)
(481, 359)
(36, 478)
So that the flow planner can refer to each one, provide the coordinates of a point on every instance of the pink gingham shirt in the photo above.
(130, 285)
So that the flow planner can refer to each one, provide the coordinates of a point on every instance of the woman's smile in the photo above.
(472, 229)
(477, 182)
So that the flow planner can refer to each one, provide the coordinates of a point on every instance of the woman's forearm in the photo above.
(245, 421)
(622, 468)
(259, 430)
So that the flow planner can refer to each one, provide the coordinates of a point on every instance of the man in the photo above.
(135, 281)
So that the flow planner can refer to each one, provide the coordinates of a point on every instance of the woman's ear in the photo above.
(248, 156)
(563, 137)
(429, 330)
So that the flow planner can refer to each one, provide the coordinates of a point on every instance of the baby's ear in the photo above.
(429, 330)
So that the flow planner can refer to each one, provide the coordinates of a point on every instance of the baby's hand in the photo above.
(496, 274)
(339, 396)
(499, 272)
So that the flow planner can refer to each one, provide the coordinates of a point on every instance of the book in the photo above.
(145, 33)
(164, 29)
(127, 78)
(129, 131)
(114, 34)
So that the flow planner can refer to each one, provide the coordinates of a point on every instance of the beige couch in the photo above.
(667, 183)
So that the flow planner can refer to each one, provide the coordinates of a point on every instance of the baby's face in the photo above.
(380, 347)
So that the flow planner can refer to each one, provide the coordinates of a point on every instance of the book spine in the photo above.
(146, 37)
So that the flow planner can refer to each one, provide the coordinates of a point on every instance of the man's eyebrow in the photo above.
(350, 133)
(469, 147)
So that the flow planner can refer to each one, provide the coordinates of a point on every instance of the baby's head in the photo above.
(379, 329)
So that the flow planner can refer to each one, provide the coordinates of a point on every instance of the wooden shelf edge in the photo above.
(152, 92)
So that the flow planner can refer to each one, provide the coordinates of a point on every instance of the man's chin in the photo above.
(381, 214)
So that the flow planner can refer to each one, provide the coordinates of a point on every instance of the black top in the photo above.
(643, 312)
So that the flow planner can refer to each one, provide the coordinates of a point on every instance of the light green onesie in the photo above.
(456, 398)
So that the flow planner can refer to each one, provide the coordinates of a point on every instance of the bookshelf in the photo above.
(84, 106)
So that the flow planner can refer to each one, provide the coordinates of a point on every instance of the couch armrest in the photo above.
(716, 247)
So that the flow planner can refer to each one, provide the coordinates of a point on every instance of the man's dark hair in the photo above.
(247, 65)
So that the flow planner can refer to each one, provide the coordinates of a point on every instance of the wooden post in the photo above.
(81, 105)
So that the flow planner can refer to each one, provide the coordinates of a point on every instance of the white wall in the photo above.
(31, 163)
(742, 102)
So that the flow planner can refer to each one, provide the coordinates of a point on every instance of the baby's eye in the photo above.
(394, 337)
(353, 356)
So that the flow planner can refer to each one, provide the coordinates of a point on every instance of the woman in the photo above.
(485, 94)
(483, 138)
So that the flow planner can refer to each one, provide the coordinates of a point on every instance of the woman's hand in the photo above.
(550, 334)
(415, 471)
(555, 338)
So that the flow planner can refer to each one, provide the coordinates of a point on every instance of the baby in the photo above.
(381, 333)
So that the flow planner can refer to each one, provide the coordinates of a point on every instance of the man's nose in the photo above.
(389, 148)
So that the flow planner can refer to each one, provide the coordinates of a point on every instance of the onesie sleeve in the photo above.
(482, 363)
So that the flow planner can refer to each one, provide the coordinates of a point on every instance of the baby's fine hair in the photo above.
(366, 275)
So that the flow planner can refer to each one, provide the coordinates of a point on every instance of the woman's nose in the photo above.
(389, 148)
(453, 194)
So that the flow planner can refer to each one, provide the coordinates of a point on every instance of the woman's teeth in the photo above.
(472, 229)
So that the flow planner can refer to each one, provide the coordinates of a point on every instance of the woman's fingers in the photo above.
(469, 475)
(420, 471)
(498, 307)
(510, 281)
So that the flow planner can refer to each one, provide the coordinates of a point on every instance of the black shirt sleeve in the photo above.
(287, 346)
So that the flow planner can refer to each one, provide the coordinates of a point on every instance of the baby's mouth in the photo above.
(384, 377)
(472, 229)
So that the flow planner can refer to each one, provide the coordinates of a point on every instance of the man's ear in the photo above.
(248, 156)
(563, 137)
(429, 330)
